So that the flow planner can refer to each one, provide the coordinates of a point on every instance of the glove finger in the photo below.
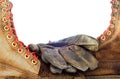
(55, 70)
(73, 59)
(88, 58)
(53, 57)
(86, 41)
(71, 69)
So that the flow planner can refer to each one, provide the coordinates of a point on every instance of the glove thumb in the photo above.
(33, 47)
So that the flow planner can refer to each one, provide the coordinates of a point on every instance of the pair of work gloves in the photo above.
(70, 54)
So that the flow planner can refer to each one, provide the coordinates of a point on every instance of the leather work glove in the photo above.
(70, 54)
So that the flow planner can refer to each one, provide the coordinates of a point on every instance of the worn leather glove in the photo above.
(70, 54)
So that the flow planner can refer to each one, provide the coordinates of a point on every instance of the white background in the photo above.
(38, 21)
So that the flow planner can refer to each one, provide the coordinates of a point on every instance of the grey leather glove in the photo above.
(70, 54)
